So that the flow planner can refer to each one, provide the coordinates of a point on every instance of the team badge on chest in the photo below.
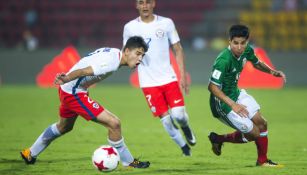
(95, 105)
(159, 33)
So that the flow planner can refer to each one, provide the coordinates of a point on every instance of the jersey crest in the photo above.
(160, 33)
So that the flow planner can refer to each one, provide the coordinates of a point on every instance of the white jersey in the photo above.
(155, 68)
(104, 62)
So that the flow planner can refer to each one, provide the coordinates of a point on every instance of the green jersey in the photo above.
(225, 74)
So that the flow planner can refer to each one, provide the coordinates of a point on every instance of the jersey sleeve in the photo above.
(103, 65)
(126, 34)
(172, 33)
(101, 69)
(218, 71)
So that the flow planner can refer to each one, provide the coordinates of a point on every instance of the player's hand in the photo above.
(60, 79)
(240, 109)
(184, 86)
(278, 73)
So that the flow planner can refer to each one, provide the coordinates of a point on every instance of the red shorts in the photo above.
(73, 105)
(160, 98)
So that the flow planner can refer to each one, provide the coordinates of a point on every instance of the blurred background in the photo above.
(33, 32)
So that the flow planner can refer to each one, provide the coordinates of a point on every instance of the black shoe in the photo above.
(189, 135)
(139, 164)
(186, 150)
(216, 147)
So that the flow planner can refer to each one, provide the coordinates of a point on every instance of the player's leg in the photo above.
(67, 110)
(175, 100)
(174, 133)
(246, 130)
(260, 123)
(180, 115)
(51, 133)
(115, 139)
(89, 109)
(241, 125)
(112, 123)
(262, 142)
(158, 106)
(259, 131)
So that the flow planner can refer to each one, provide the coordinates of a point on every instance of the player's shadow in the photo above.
(10, 161)
(12, 165)
(18, 166)
(18, 161)
(195, 168)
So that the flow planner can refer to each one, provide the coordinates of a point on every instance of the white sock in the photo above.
(124, 153)
(172, 131)
(44, 140)
(180, 115)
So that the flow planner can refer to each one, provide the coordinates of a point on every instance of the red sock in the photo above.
(235, 137)
(262, 147)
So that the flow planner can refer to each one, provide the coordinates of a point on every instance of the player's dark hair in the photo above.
(136, 42)
(238, 30)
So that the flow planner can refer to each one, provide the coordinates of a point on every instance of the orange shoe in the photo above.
(26, 156)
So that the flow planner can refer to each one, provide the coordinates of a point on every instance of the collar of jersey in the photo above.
(155, 19)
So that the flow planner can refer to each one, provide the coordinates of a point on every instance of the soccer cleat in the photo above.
(139, 164)
(26, 156)
(269, 163)
(186, 150)
(216, 147)
(189, 135)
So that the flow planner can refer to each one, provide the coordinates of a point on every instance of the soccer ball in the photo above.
(105, 158)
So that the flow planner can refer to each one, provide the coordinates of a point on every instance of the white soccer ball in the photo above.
(105, 158)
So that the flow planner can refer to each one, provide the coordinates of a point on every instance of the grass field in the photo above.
(27, 110)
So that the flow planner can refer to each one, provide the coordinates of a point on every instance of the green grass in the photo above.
(27, 110)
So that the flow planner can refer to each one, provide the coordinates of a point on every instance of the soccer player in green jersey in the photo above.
(234, 107)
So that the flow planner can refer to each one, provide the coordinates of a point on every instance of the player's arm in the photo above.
(265, 68)
(237, 108)
(62, 78)
(180, 58)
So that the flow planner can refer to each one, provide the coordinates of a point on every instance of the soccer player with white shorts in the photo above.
(157, 78)
(233, 106)
(73, 94)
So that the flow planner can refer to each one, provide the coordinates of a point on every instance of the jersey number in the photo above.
(148, 97)
(147, 40)
(99, 50)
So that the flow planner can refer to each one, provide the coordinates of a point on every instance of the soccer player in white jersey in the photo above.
(156, 75)
(73, 94)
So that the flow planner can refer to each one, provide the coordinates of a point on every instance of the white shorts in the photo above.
(235, 121)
